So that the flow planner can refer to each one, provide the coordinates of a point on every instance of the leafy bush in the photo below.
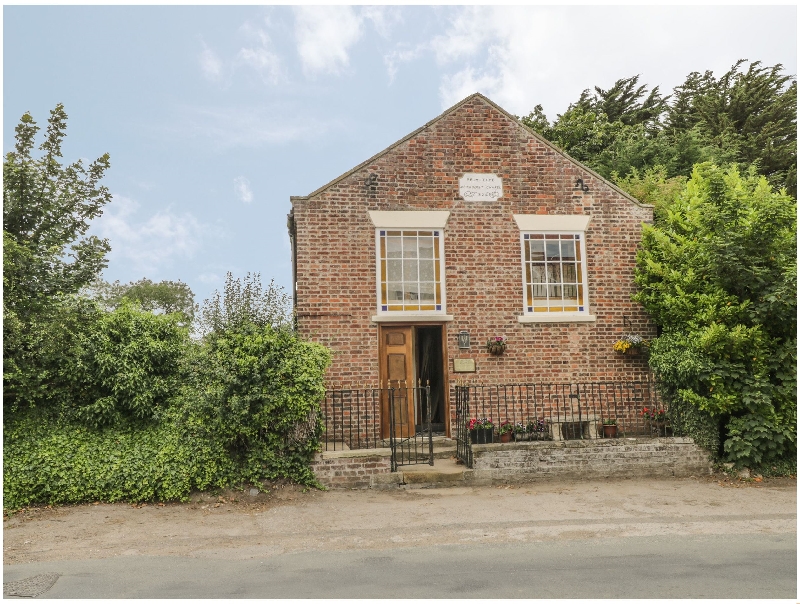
(242, 405)
(719, 275)
(105, 400)
(50, 459)
(128, 364)
(256, 390)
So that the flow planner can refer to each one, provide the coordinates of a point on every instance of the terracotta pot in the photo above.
(609, 431)
(506, 437)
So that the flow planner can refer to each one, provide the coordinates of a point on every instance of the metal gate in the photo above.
(410, 433)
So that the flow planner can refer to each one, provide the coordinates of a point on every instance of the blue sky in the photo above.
(214, 116)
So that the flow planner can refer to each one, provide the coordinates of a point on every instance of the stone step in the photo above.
(441, 474)
(433, 479)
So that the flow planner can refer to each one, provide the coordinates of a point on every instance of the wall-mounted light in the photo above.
(463, 340)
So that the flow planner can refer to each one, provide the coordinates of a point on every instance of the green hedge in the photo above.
(248, 410)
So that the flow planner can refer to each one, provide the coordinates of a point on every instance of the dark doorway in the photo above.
(430, 370)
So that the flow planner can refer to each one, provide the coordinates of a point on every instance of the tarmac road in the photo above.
(638, 538)
(729, 566)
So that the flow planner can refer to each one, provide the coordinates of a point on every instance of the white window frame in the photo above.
(535, 224)
(409, 221)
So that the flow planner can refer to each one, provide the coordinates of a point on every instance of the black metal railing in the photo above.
(410, 434)
(351, 417)
(529, 412)
(397, 416)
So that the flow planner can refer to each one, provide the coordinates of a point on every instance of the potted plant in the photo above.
(496, 345)
(609, 428)
(481, 431)
(519, 431)
(506, 430)
(656, 420)
(537, 429)
(630, 344)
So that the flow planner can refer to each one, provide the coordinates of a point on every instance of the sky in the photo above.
(215, 116)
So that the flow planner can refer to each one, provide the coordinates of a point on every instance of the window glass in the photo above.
(553, 272)
(410, 271)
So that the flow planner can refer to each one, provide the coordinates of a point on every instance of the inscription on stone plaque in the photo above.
(464, 365)
(480, 187)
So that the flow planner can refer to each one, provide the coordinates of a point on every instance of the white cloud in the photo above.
(259, 55)
(210, 64)
(520, 56)
(383, 18)
(324, 35)
(152, 243)
(395, 58)
(241, 186)
(507, 53)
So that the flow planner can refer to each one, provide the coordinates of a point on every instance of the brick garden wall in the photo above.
(349, 470)
(530, 462)
(335, 253)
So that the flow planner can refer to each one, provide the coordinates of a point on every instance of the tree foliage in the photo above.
(256, 390)
(105, 395)
(136, 410)
(244, 302)
(654, 187)
(743, 117)
(47, 210)
(47, 256)
(163, 297)
(752, 112)
(719, 275)
(127, 365)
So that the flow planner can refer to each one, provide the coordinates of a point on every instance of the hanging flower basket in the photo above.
(496, 345)
(630, 344)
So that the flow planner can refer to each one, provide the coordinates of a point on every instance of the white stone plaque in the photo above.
(464, 365)
(480, 187)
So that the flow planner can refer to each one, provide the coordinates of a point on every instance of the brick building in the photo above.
(472, 227)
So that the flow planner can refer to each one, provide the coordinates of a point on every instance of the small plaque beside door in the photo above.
(464, 365)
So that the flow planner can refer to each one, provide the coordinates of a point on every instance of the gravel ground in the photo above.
(287, 518)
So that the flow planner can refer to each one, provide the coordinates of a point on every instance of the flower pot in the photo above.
(506, 437)
(481, 436)
(497, 349)
(660, 428)
(609, 431)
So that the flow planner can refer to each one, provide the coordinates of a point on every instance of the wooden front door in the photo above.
(397, 372)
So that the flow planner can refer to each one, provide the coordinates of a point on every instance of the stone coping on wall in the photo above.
(577, 443)
(352, 453)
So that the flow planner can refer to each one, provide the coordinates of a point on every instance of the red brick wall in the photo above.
(335, 251)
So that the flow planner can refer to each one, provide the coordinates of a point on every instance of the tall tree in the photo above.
(626, 102)
(753, 112)
(743, 117)
(47, 210)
